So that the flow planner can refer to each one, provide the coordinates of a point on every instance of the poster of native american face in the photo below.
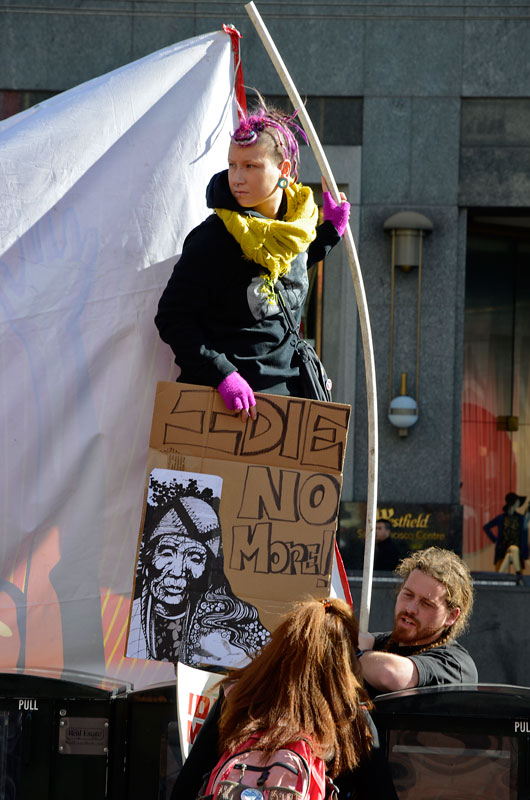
(183, 607)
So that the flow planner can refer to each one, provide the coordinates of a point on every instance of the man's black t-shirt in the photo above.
(448, 663)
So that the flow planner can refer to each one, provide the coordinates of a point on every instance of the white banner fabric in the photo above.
(98, 188)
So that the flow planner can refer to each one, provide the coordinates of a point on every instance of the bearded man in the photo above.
(432, 609)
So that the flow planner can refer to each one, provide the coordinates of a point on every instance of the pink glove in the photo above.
(236, 393)
(337, 215)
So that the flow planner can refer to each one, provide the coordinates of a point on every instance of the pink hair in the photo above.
(253, 125)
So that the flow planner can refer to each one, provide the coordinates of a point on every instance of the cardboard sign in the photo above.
(281, 481)
(183, 605)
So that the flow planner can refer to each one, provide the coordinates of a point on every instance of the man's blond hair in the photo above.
(449, 569)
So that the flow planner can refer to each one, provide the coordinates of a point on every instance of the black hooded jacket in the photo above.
(213, 315)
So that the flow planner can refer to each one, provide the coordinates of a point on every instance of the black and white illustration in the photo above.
(183, 607)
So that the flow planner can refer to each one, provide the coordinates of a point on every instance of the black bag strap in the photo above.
(287, 313)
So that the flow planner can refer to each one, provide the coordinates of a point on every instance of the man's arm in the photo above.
(449, 663)
(386, 672)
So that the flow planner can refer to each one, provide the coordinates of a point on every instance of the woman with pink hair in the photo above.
(220, 311)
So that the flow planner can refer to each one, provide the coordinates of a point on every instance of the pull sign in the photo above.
(27, 704)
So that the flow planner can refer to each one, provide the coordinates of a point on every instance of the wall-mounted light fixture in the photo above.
(403, 410)
(407, 229)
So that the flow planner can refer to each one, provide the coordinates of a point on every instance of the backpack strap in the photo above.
(318, 782)
(226, 757)
(317, 786)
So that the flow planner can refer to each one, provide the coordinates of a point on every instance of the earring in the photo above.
(282, 183)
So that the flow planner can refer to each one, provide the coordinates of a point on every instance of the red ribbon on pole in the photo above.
(241, 99)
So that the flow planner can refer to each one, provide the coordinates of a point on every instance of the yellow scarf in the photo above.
(273, 243)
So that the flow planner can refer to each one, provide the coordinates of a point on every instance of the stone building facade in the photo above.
(421, 107)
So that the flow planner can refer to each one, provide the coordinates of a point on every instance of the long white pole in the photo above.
(364, 319)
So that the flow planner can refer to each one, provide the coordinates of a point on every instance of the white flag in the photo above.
(98, 188)
(197, 691)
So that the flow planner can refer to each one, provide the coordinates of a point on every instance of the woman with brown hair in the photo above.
(305, 683)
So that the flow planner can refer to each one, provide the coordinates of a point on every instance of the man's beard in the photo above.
(410, 635)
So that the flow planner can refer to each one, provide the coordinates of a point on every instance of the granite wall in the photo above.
(428, 105)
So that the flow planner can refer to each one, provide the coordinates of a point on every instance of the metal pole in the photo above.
(364, 319)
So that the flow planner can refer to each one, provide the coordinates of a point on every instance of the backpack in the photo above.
(291, 773)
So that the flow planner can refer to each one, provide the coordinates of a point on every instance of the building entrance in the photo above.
(495, 456)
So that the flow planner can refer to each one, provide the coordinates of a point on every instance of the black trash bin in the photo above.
(458, 742)
(55, 736)
(153, 747)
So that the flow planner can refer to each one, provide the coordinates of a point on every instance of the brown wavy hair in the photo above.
(305, 683)
(449, 569)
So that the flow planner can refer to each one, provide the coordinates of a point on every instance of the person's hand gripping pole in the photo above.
(337, 214)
